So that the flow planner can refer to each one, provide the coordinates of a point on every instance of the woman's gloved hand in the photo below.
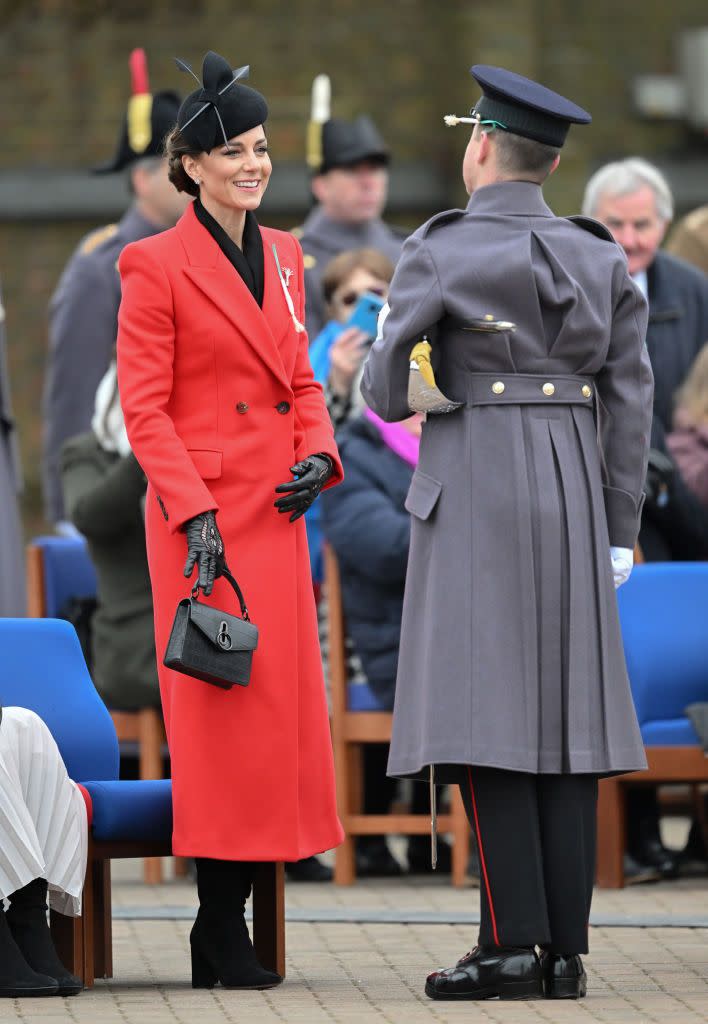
(311, 475)
(622, 562)
(205, 548)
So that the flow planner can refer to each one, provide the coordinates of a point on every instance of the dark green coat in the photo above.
(103, 495)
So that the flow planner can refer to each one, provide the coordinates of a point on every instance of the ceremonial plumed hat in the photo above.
(333, 142)
(222, 107)
(523, 107)
(149, 118)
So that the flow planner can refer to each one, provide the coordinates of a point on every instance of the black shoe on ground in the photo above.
(564, 976)
(374, 859)
(489, 972)
(17, 979)
(636, 873)
(309, 869)
(653, 853)
(27, 920)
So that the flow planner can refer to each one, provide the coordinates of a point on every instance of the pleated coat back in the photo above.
(511, 654)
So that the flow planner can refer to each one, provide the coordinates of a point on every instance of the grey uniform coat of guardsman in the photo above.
(511, 654)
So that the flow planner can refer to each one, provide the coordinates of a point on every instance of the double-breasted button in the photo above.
(242, 407)
(283, 408)
(586, 391)
(548, 389)
(498, 387)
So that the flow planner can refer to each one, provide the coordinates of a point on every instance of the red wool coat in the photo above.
(219, 401)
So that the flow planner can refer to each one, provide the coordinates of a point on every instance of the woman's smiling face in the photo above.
(235, 177)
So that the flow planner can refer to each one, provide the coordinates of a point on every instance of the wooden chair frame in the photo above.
(350, 731)
(85, 944)
(666, 764)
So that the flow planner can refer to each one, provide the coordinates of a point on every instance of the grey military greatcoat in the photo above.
(511, 654)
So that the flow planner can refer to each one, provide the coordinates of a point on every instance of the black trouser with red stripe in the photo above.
(536, 836)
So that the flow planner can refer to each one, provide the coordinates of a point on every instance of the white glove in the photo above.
(622, 562)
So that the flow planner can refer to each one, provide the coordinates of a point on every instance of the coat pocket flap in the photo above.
(227, 632)
(207, 462)
(423, 494)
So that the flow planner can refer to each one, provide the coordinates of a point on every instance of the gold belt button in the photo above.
(498, 387)
(548, 389)
(586, 391)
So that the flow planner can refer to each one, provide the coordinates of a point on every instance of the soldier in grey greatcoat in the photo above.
(83, 311)
(12, 563)
(511, 675)
(350, 185)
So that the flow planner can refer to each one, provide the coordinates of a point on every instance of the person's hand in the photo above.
(346, 356)
(311, 475)
(205, 548)
(622, 562)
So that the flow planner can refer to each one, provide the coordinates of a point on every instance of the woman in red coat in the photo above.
(220, 404)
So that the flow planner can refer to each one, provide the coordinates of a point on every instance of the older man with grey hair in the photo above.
(633, 199)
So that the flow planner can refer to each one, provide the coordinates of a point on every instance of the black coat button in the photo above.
(242, 407)
(283, 408)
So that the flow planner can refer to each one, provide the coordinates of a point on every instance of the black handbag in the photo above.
(210, 644)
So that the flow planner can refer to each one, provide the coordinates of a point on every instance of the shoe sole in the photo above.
(572, 988)
(22, 993)
(511, 991)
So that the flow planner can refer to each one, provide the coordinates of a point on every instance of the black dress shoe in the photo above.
(309, 869)
(653, 853)
(564, 977)
(636, 873)
(374, 859)
(489, 972)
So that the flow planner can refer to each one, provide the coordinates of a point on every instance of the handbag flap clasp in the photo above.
(227, 632)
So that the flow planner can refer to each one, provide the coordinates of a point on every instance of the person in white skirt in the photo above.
(43, 846)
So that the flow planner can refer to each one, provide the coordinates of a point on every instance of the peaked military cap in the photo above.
(518, 105)
(350, 142)
(148, 119)
(222, 107)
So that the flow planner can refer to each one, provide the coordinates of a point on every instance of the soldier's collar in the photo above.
(523, 198)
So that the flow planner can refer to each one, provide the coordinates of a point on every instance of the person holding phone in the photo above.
(355, 285)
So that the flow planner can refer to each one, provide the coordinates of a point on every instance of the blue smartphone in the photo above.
(366, 314)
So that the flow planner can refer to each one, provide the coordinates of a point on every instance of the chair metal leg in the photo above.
(269, 915)
(611, 833)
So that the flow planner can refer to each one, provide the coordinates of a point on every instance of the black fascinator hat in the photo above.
(222, 107)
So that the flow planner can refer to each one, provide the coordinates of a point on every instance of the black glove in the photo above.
(311, 476)
(206, 548)
(659, 484)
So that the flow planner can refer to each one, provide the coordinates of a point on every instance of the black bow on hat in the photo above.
(221, 108)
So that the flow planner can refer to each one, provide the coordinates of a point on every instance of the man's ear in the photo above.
(554, 165)
(484, 149)
(319, 187)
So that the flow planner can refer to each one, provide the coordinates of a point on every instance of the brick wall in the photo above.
(63, 63)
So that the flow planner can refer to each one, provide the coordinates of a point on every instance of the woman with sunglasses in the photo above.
(338, 351)
(220, 402)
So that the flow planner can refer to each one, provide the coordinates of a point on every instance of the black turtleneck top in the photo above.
(247, 262)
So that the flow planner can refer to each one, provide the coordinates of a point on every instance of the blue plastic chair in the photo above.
(42, 668)
(663, 617)
(58, 568)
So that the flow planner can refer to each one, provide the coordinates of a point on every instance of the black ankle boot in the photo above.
(27, 919)
(221, 946)
(17, 978)
(564, 976)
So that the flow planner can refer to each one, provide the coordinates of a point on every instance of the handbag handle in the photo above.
(237, 590)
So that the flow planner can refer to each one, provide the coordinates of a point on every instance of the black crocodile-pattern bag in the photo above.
(210, 644)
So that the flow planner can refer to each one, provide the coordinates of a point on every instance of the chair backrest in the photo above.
(42, 668)
(663, 613)
(66, 571)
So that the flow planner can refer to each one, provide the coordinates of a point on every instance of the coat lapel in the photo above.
(211, 272)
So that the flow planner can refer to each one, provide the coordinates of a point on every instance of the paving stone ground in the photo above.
(351, 972)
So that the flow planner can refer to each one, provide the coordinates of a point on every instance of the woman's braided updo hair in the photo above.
(175, 148)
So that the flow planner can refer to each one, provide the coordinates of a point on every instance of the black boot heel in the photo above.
(17, 979)
(564, 977)
(521, 990)
(203, 975)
